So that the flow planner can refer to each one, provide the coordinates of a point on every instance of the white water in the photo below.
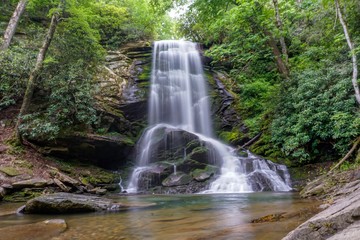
(179, 101)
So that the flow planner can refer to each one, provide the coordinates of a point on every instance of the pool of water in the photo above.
(218, 216)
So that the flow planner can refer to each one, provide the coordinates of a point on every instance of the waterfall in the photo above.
(179, 104)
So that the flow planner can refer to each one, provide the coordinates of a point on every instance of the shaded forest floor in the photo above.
(18, 162)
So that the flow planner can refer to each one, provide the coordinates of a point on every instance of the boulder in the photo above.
(202, 175)
(153, 176)
(73, 203)
(177, 179)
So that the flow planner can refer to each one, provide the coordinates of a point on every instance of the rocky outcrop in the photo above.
(224, 108)
(176, 158)
(340, 219)
(123, 84)
(72, 203)
(108, 152)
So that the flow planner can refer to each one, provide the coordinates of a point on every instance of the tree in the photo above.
(14, 20)
(36, 71)
(279, 25)
(352, 51)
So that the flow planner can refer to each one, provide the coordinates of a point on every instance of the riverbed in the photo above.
(178, 217)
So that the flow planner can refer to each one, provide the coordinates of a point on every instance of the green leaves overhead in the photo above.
(65, 89)
(309, 116)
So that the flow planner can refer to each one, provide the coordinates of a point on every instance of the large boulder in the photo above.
(122, 107)
(72, 203)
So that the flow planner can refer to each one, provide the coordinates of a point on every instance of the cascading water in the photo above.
(179, 112)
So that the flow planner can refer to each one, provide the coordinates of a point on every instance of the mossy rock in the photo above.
(202, 175)
(10, 171)
(177, 179)
(23, 195)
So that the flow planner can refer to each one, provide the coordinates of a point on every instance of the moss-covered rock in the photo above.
(23, 195)
(201, 175)
(177, 179)
(10, 171)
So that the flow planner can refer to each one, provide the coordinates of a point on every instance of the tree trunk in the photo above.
(35, 73)
(14, 20)
(352, 51)
(280, 27)
(353, 148)
(277, 54)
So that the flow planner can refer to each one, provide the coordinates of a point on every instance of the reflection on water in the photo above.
(222, 216)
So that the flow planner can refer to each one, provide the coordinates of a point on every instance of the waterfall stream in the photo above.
(179, 109)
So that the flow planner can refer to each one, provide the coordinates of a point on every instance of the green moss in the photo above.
(23, 195)
(145, 75)
(231, 136)
(24, 164)
(10, 171)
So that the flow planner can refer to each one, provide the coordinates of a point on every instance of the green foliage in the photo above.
(311, 116)
(16, 64)
(317, 115)
(231, 136)
(65, 90)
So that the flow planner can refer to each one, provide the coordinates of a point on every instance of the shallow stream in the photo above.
(217, 216)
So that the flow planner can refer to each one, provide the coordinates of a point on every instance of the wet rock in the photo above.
(153, 176)
(259, 182)
(44, 230)
(73, 203)
(177, 179)
(201, 175)
(32, 183)
(192, 187)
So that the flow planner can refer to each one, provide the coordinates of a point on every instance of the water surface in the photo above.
(218, 216)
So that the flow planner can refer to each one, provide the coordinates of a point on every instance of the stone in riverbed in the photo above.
(73, 203)
(44, 230)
